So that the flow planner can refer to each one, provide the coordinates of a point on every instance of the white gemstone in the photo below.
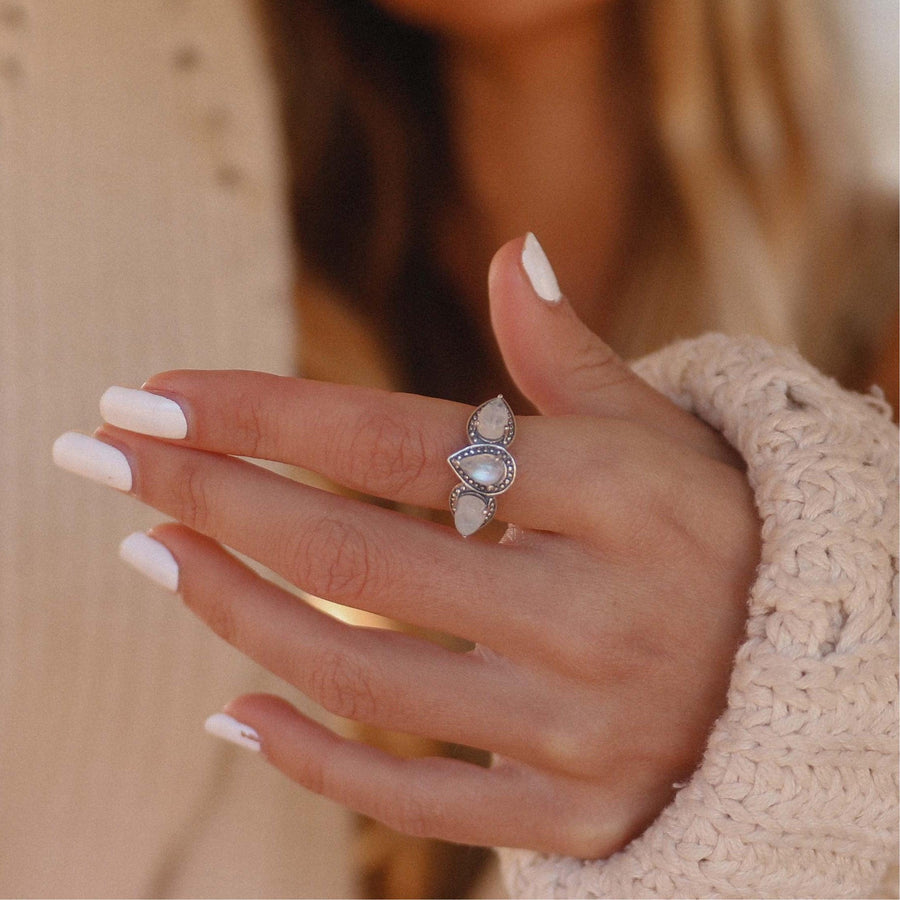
(492, 419)
(469, 516)
(485, 468)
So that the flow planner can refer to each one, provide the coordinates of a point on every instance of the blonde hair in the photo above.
(787, 237)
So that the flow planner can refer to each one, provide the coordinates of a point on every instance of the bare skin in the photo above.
(605, 626)
(543, 142)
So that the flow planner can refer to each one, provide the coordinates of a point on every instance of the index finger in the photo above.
(370, 440)
(396, 445)
(389, 445)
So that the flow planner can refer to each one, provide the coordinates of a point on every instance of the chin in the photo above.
(485, 18)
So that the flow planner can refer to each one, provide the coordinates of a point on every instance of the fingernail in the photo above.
(143, 412)
(223, 726)
(540, 272)
(92, 459)
(150, 558)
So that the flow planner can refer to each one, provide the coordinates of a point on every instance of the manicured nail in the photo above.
(150, 558)
(92, 459)
(143, 412)
(223, 726)
(539, 270)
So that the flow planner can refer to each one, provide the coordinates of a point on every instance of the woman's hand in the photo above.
(605, 623)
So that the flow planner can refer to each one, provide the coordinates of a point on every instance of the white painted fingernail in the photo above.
(540, 272)
(143, 412)
(92, 459)
(150, 558)
(223, 726)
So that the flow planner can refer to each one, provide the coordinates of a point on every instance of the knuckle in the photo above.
(387, 454)
(590, 837)
(338, 560)
(642, 493)
(251, 423)
(218, 615)
(412, 815)
(593, 364)
(342, 685)
(587, 825)
(570, 745)
(195, 499)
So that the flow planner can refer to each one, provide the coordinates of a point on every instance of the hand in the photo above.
(604, 625)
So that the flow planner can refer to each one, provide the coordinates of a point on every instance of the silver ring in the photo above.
(485, 467)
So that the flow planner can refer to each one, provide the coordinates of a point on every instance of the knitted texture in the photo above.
(796, 795)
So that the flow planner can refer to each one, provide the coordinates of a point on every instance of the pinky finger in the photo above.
(510, 806)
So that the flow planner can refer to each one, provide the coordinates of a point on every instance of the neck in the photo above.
(540, 134)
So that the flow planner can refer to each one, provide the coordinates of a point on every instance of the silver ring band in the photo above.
(485, 467)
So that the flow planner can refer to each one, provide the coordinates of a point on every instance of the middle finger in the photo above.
(342, 549)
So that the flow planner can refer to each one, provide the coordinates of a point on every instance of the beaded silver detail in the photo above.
(485, 468)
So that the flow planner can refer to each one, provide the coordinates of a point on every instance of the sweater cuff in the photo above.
(796, 794)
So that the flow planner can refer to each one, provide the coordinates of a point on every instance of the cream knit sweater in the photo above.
(796, 795)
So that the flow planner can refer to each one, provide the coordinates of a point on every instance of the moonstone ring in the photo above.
(485, 468)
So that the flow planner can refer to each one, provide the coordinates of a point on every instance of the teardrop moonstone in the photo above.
(492, 419)
(485, 468)
(469, 516)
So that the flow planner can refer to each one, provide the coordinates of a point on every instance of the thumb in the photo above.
(557, 362)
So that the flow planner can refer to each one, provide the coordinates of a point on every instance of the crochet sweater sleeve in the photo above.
(796, 794)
